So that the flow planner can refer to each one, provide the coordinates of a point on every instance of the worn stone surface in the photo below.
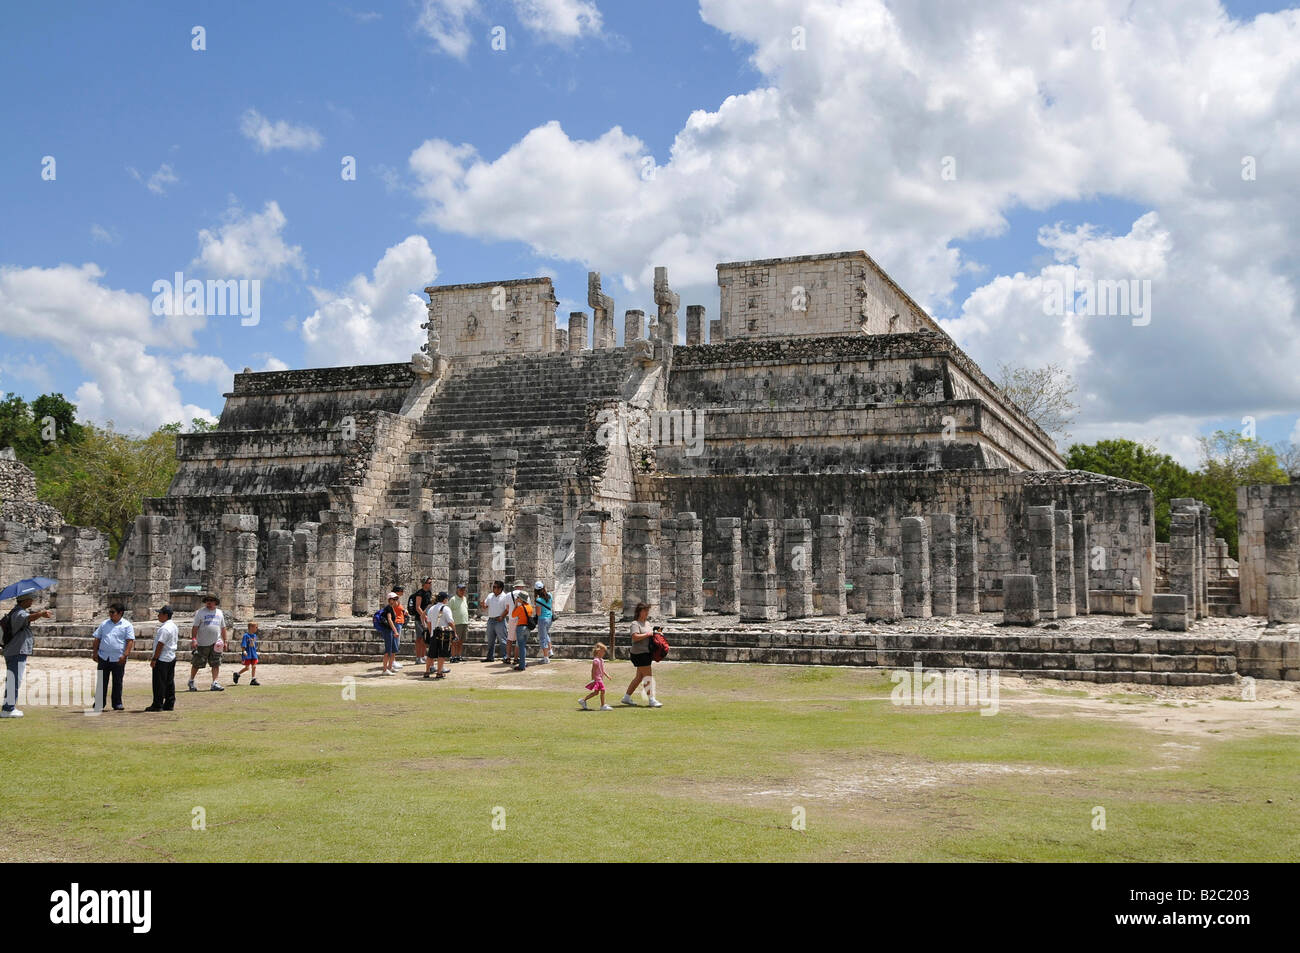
(1020, 599)
(641, 558)
(1042, 557)
(759, 584)
(916, 568)
(690, 565)
(796, 567)
(943, 564)
(730, 563)
(1064, 538)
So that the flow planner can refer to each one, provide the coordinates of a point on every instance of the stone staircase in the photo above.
(1224, 597)
(540, 405)
(1141, 659)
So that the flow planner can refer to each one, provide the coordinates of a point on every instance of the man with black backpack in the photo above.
(19, 642)
(417, 608)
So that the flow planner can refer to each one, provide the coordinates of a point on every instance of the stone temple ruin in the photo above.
(821, 448)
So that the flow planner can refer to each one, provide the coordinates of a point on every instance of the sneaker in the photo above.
(191, 687)
(627, 700)
(543, 660)
(236, 678)
(16, 713)
(606, 707)
(582, 703)
(397, 666)
(216, 687)
(388, 671)
(153, 708)
(421, 660)
(255, 682)
(656, 703)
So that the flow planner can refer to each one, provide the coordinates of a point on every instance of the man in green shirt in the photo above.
(460, 620)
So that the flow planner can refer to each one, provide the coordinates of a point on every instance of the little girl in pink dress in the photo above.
(597, 683)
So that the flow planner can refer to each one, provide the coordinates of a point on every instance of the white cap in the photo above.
(538, 585)
(392, 595)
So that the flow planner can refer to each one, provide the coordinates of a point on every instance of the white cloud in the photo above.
(106, 236)
(158, 182)
(268, 136)
(374, 319)
(559, 19)
(249, 245)
(270, 362)
(111, 334)
(841, 145)
(448, 22)
(204, 369)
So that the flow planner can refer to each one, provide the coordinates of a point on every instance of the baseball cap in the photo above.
(538, 585)
(392, 595)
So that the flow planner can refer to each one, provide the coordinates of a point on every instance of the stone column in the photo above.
(882, 589)
(1282, 553)
(1064, 541)
(968, 574)
(758, 581)
(668, 303)
(943, 564)
(335, 553)
(577, 331)
(834, 532)
(797, 562)
(151, 572)
(535, 548)
(82, 574)
(489, 558)
(431, 551)
(1020, 599)
(715, 331)
(505, 463)
(1082, 556)
(302, 571)
(460, 553)
(588, 575)
(866, 531)
(561, 340)
(641, 565)
(668, 567)
(367, 560)
(227, 579)
(417, 488)
(1182, 557)
(602, 314)
(694, 324)
(916, 568)
(730, 562)
(1169, 612)
(1042, 557)
(396, 542)
(633, 326)
(279, 563)
(1204, 541)
(690, 566)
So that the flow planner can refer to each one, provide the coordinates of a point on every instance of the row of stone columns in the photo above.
(758, 558)
(1058, 560)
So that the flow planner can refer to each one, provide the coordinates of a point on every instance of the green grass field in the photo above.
(414, 770)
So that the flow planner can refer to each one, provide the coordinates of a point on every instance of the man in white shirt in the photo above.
(163, 662)
(209, 630)
(114, 640)
(498, 606)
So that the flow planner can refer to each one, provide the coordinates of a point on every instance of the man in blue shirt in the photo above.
(114, 640)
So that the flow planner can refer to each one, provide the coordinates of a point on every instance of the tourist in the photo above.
(163, 662)
(209, 636)
(248, 649)
(545, 605)
(392, 634)
(418, 608)
(440, 629)
(399, 616)
(497, 607)
(114, 640)
(519, 616)
(597, 683)
(21, 643)
(459, 605)
(642, 635)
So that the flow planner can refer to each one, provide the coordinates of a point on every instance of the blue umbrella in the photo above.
(26, 586)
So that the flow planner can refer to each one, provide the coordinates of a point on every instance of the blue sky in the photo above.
(225, 162)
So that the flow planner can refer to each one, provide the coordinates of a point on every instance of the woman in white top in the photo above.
(641, 658)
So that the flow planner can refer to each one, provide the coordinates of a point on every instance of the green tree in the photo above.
(1142, 463)
(18, 427)
(1229, 460)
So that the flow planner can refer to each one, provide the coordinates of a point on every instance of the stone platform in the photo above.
(1093, 649)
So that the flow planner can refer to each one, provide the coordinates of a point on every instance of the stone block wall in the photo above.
(475, 323)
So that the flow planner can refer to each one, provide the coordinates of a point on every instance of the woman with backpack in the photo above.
(642, 641)
(524, 617)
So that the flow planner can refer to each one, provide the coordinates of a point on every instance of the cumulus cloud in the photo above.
(269, 136)
(377, 318)
(559, 19)
(158, 182)
(248, 245)
(906, 133)
(106, 236)
(111, 334)
(446, 22)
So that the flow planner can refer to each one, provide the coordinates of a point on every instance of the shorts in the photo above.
(641, 661)
(392, 643)
(461, 629)
(205, 655)
(440, 643)
(421, 633)
(249, 660)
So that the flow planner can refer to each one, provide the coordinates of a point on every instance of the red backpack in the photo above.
(658, 647)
